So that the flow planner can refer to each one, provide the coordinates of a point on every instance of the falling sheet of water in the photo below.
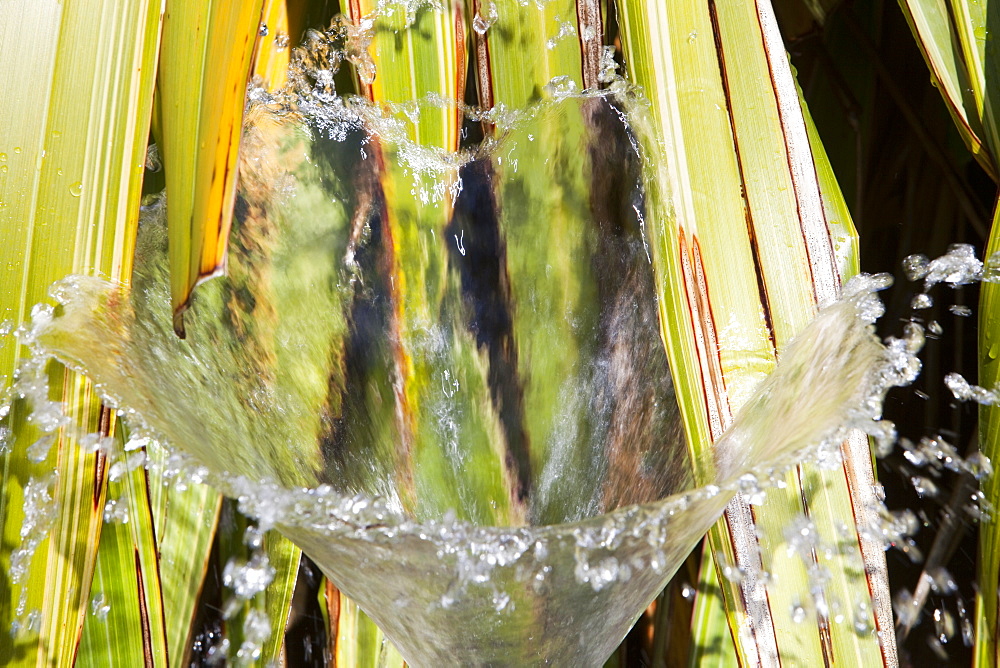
(243, 403)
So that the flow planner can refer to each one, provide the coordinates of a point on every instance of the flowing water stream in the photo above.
(440, 374)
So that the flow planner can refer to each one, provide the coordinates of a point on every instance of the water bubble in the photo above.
(99, 608)
(76, 189)
(136, 442)
(40, 512)
(96, 442)
(217, 652)
(749, 486)
(924, 487)
(608, 67)
(801, 536)
(968, 632)
(959, 266)
(916, 267)
(978, 465)
(561, 87)
(485, 17)
(862, 620)
(253, 538)
(944, 625)
(905, 608)
(500, 601)
(116, 471)
(941, 581)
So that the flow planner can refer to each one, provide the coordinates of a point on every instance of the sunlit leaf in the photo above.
(205, 64)
(746, 251)
(71, 157)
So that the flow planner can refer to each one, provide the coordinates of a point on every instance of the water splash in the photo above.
(626, 555)
(528, 575)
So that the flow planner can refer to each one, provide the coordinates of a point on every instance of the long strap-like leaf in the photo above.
(78, 81)
(746, 252)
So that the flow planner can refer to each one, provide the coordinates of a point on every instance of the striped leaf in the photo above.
(78, 79)
(354, 639)
(746, 251)
(952, 35)
(126, 622)
(206, 53)
(987, 651)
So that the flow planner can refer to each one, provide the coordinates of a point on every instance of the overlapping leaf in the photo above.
(747, 244)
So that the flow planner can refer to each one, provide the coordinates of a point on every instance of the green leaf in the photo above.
(125, 622)
(952, 37)
(987, 652)
(78, 79)
(206, 53)
(745, 251)
(354, 638)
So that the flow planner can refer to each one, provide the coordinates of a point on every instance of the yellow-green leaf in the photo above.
(77, 82)
(745, 252)
(206, 54)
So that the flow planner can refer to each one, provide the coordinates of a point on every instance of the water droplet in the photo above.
(76, 189)
(3, 157)
(116, 511)
(944, 624)
(39, 450)
(17, 149)
(262, 31)
(485, 18)
(915, 267)
(56, 134)
(247, 579)
(924, 487)
(99, 607)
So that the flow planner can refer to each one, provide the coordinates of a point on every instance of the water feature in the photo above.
(490, 462)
